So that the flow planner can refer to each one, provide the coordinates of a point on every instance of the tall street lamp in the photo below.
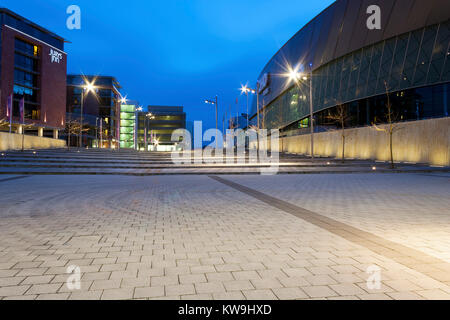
(136, 127)
(214, 102)
(89, 87)
(149, 116)
(246, 90)
(296, 76)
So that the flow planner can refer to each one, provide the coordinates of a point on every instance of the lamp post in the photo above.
(149, 116)
(96, 131)
(246, 90)
(89, 86)
(215, 102)
(295, 76)
(136, 127)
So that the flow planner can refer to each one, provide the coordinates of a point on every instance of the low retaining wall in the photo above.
(425, 141)
(12, 141)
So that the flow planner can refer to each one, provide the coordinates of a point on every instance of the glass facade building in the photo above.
(101, 109)
(155, 131)
(350, 65)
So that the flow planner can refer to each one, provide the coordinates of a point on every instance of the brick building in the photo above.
(33, 66)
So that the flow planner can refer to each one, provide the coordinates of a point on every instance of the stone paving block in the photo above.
(165, 280)
(209, 287)
(86, 295)
(297, 272)
(117, 294)
(347, 289)
(44, 288)
(236, 295)
(31, 272)
(290, 293)
(321, 280)
(203, 269)
(179, 290)
(260, 295)
(219, 276)
(96, 276)
(106, 284)
(245, 275)
(266, 283)
(238, 285)
(434, 294)
(405, 296)
(290, 282)
(135, 282)
(319, 291)
(11, 281)
(38, 279)
(53, 296)
(23, 297)
(13, 290)
(192, 278)
(149, 292)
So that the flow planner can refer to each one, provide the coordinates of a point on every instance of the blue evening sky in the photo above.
(175, 52)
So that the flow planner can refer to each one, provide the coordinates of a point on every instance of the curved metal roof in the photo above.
(341, 29)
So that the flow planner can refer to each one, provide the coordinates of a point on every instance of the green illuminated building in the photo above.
(127, 126)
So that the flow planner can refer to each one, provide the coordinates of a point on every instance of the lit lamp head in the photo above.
(89, 87)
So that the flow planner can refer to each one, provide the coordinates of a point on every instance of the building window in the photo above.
(26, 79)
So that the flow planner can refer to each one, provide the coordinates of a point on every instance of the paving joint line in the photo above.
(13, 178)
(409, 257)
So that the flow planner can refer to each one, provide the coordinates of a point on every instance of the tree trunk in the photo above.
(391, 149)
(343, 147)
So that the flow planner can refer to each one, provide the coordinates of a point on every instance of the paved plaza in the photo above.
(226, 237)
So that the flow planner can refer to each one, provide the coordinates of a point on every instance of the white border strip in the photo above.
(25, 34)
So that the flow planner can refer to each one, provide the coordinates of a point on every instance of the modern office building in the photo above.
(33, 67)
(128, 123)
(155, 127)
(354, 66)
(101, 109)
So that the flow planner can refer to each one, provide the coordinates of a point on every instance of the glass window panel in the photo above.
(386, 64)
(330, 79)
(439, 53)
(364, 72)
(411, 58)
(397, 65)
(354, 74)
(374, 69)
(426, 51)
(346, 69)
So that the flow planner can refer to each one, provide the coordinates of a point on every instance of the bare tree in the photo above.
(340, 117)
(73, 128)
(392, 127)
